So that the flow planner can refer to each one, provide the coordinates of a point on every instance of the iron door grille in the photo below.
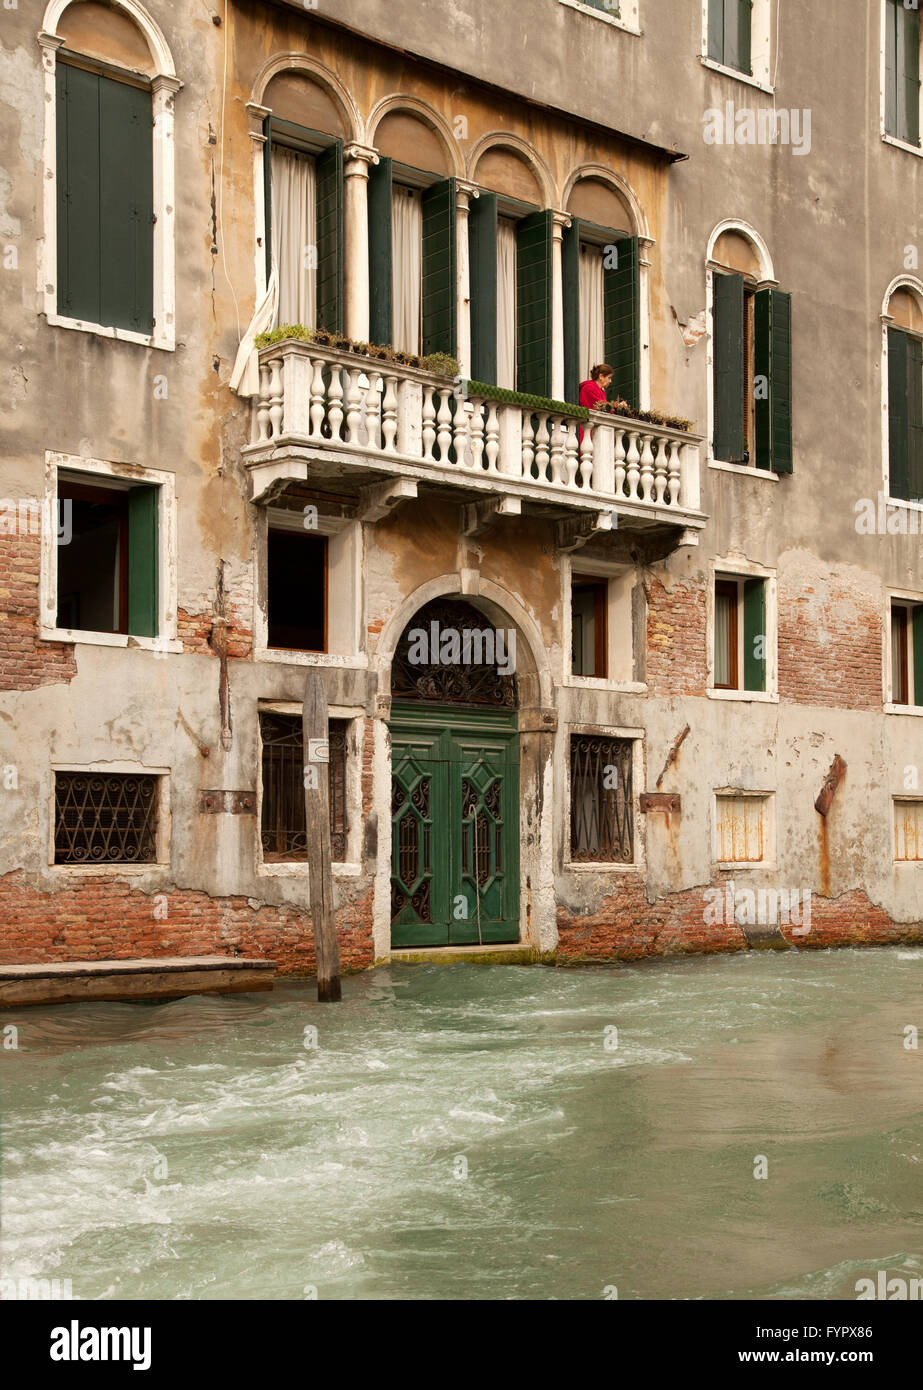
(282, 824)
(105, 818)
(601, 824)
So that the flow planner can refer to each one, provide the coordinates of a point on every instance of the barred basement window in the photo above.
(105, 818)
(601, 826)
(282, 826)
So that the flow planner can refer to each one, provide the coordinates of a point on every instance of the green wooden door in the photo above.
(455, 827)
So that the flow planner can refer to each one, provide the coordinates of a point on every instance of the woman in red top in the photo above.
(594, 389)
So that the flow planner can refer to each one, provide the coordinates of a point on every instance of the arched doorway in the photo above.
(454, 780)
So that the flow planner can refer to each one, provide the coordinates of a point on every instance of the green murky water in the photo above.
(465, 1132)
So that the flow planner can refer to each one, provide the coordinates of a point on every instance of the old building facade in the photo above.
(299, 299)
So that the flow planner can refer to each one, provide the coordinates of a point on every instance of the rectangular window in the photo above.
(413, 279)
(506, 304)
(589, 603)
(282, 824)
(297, 591)
(905, 415)
(908, 830)
(741, 829)
(601, 814)
(108, 573)
(902, 71)
(294, 234)
(406, 268)
(607, 6)
(729, 28)
(105, 200)
(906, 653)
(105, 818)
(740, 634)
(752, 374)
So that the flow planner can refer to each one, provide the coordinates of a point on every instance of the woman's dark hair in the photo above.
(603, 369)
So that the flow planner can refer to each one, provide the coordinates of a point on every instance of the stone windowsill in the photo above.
(744, 470)
(762, 697)
(736, 74)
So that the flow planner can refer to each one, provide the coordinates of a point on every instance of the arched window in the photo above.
(750, 388)
(902, 71)
(109, 87)
(602, 291)
(903, 383)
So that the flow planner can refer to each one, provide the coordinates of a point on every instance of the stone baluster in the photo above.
(371, 411)
(560, 463)
(633, 471)
(660, 472)
(262, 405)
(429, 427)
(444, 423)
(528, 444)
(353, 404)
(492, 447)
(477, 435)
(334, 402)
(571, 450)
(460, 434)
(317, 399)
(647, 468)
(389, 415)
(541, 448)
(619, 461)
(587, 449)
(673, 471)
(275, 397)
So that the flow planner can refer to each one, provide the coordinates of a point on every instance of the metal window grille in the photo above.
(282, 826)
(106, 818)
(601, 818)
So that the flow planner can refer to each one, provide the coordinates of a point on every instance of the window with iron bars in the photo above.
(282, 824)
(601, 818)
(105, 818)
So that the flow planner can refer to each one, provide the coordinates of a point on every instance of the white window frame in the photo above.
(915, 285)
(908, 599)
(345, 607)
(768, 798)
(627, 18)
(164, 86)
(164, 819)
(99, 470)
(886, 136)
(761, 47)
(608, 866)
(622, 581)
(351, 866)
(729, 568)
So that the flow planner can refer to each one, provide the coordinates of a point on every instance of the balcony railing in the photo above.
(402, 419)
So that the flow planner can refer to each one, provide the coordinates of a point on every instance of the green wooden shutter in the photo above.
(533, 304)
(773, 407)
(439, 294)
(716, 30)
(380, 287)
(909, 95)
(737, 28)
(482, 256)
(330, 238)
(916, 619)
(730, 440)
(571, 268)
(915, 419)
(267, 193)
(143, 505)
(891, 66)
(622, 322)
(754, 634)
(126, 206)
(898, 429)
(77, 110)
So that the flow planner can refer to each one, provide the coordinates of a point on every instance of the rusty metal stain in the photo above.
(660, 801)
(229, 803)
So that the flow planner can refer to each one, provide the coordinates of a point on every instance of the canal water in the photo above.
(478, 1132)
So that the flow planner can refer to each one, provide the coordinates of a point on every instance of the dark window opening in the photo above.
(282, 823)
(297, 597)
(105, 818)
(589, 655)
(107, 571)
(601, 816)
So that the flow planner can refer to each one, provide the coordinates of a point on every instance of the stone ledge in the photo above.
(67, 982)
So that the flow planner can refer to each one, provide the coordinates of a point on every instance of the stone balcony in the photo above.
(385, 433)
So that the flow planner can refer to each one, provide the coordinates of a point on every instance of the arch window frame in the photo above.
(163, 84)
(914, 285)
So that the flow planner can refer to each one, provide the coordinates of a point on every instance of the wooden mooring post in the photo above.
(317, 830)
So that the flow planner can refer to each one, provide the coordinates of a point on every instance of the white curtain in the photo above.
(722, 639)
(407, 268)
(294, 236)
(506, 304)
(592, 336)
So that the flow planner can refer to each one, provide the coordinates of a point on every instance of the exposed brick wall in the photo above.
(26, 662)
(193, 625)
(829, 646)
(676, 658)
(106, 919)
(627, 927)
